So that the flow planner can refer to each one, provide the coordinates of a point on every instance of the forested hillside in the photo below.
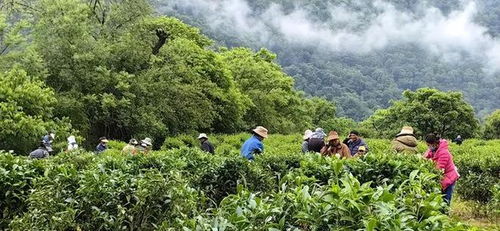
(363, 54)
(112, 68)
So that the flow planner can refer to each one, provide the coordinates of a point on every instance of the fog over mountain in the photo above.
(362, 54)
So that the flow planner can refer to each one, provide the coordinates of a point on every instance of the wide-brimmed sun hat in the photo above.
(103, 140)
(332, 135)
(307, 134)
(203, 135)
(406, 130)
(147, 141)
(261, 131)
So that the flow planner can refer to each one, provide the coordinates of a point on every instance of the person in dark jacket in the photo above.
(459, 140)
(48, 139)
(102, 146)
(205, 144)
(316, 141)
(40, 153)
(355, 142)
(305, 143)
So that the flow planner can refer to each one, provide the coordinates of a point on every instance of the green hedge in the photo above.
(189, 189)
(478, 163)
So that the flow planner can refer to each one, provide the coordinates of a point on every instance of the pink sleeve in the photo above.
(427, 154)
(442, 160)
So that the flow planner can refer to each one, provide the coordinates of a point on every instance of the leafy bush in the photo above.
(478, 163)
(185, 188)
(116, 144)
(180, 141)
(16, 180)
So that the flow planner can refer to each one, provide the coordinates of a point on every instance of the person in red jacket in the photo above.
(438, 152)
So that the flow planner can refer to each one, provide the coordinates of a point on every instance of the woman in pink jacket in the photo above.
(438, 152)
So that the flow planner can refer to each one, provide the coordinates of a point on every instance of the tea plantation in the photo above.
(182, 188)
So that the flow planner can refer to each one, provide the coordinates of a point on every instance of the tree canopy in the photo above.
(427, 111)
(113, 68)
(492, 126)
(359, 82)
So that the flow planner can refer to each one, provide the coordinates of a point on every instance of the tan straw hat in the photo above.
(332, 135)
(261, 131)
(307, 134)
(406, 130)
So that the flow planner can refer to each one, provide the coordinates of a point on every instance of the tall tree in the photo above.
(428, 110)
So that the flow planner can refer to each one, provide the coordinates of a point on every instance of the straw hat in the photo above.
(332, 135)
(406, 130)
(147, 141)
(307, 134)
(361, 148)
(203, 135)
(103, 140)
(261, 131)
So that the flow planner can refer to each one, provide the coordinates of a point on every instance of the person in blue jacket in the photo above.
(102, 146)
(254, 146)
(355, 142)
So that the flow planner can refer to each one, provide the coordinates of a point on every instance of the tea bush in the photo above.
(478, 163)
(186, 189)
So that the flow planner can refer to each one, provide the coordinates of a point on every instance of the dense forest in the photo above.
(363, 54)
(113, 68)
(118, 68)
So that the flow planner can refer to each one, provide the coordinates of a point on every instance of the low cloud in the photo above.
(446, 35)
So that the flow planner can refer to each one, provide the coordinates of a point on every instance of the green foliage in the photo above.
(188, 189)
(116, 145)
(26, 112)
(492, 126)
(427, 110)
(358, 82)
(16, 179)
(478, 163)
(274, 103)
(119, 71)
(180, 141)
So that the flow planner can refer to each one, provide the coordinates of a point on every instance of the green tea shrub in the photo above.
(107, 196)
(180, 141)
(16, 181)
(283, 189)
(219, 182)
(343, 205)
(116, 144)
(478, 163)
